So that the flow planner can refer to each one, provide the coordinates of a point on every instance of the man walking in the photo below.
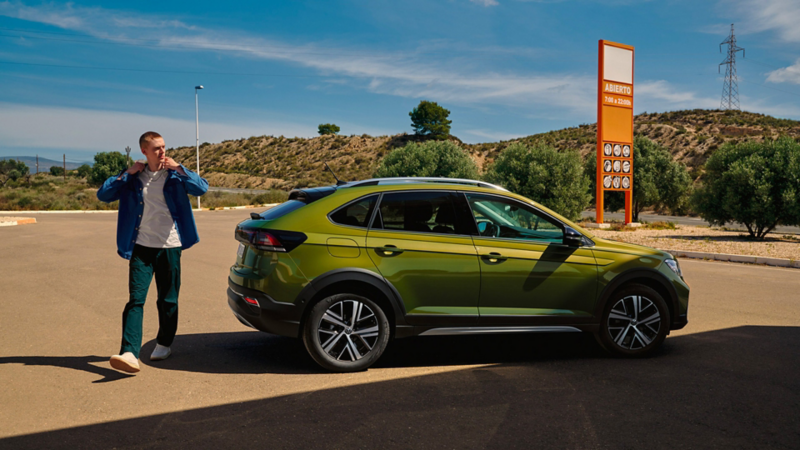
(154, 224)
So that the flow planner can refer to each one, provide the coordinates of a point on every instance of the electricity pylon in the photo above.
(730, 90)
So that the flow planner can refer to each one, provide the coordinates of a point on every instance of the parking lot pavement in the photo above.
(729, 379)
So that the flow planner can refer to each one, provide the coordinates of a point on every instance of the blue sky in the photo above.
(504, 68)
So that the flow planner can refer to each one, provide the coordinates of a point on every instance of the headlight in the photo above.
(673, 264)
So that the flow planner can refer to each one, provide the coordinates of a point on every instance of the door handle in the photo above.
(388, 250)
(494, 257)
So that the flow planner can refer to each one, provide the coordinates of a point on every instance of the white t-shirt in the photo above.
(157, 229)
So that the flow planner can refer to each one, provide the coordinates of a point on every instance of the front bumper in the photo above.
(269, 316)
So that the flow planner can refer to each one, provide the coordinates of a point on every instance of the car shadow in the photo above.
(83, 363)
(731, 388)
(255, 352)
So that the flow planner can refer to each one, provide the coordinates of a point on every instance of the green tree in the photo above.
(430, 119)
(541, 173)
(428, 159)
(327, 128)
(56, 171)
(753, 183)
(12, 170)
(106, 164)
(84, 170)
(658, 180)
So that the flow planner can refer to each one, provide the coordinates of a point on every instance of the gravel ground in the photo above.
(714, 240)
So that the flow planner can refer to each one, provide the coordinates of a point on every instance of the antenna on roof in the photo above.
(338, 181)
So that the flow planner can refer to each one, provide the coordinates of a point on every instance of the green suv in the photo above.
(349, 267)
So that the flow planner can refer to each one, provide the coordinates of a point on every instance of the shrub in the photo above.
(11, 170)
(106, 164)
(756, 184)
(56, 171)
(430, 119)
(84, 170)
(554, 179)
(428, 159)
(658, 180)
(327, 128)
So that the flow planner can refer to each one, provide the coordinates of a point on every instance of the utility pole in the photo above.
(65, 167)
(37, 164)
(730, 88)
(128, 158)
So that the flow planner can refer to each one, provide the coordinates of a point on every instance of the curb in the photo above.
(25, 221)
(777, 262)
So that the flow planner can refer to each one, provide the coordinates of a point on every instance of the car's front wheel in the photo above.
(346, 332)
(635, 322)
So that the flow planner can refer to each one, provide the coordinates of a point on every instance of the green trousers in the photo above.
(165, 263)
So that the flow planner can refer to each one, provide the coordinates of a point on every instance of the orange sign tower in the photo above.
(615, 124)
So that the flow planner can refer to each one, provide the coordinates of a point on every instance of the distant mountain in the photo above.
(44, 163)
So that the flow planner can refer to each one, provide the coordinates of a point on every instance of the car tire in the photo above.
(635, 322)
(346, 332)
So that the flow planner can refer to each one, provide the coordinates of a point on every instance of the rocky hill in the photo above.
(262, 162)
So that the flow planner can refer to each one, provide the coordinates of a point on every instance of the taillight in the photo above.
(251, 301)
(265, 241)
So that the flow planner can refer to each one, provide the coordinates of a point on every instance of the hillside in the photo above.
(44, 163)
(262, 162)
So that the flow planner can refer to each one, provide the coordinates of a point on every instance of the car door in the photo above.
(428, 255)
(526, 269)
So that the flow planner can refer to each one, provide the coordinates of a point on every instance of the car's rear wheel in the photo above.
(346, 332)
(635, 322)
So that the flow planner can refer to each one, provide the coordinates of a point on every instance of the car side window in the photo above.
(355, 214)
(509, 219)
(427, 212)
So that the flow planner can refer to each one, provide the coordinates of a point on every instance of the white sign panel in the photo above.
(618, 64)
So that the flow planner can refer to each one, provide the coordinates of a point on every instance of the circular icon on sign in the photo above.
(626, 182)
(626, 166)
(617, 150)
(607, 149)
(626, 150)
(607, 181)
(607, 165)
(615, 182)
(616, 166)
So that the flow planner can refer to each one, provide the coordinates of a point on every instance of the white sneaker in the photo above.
(125, 362)
(160, 353)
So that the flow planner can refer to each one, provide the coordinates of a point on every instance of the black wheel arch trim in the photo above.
(632, 274)
(356, 274)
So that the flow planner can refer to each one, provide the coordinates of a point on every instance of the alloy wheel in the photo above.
(348, 330)
(634, 322)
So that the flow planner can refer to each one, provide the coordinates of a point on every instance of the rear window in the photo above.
(281, 210)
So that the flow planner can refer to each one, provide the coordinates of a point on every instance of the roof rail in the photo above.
(402, 180)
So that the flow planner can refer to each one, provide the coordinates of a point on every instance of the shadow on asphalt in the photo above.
(732, 388)
(255, 352)
(71, 362)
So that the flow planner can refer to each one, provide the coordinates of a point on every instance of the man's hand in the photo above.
(170, 164)
(137, 167)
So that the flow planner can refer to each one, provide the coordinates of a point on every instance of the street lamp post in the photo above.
(197, 133)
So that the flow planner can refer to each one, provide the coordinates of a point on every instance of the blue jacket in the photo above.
(128, 190)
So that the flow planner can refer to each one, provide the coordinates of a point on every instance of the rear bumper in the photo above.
(269, 316)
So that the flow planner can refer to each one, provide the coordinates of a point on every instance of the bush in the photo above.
(430, 119)
(658, 180)
(756, 184)
(106, 164)
(327, 128)
(84, 170)
(56, 171)
(428, 159)
(12, 170)
(554, 179)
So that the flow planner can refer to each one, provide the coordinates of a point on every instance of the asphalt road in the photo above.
(728, 380)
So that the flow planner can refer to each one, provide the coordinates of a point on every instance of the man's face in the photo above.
(155, 151)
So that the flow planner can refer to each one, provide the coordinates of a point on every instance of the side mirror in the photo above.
(572, 238)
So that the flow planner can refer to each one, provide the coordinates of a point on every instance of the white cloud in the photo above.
(90, 131)
(789, 74)
(780, 16)
(661, 95)
(485, 2)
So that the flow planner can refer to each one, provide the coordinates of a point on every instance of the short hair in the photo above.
(149, 136)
